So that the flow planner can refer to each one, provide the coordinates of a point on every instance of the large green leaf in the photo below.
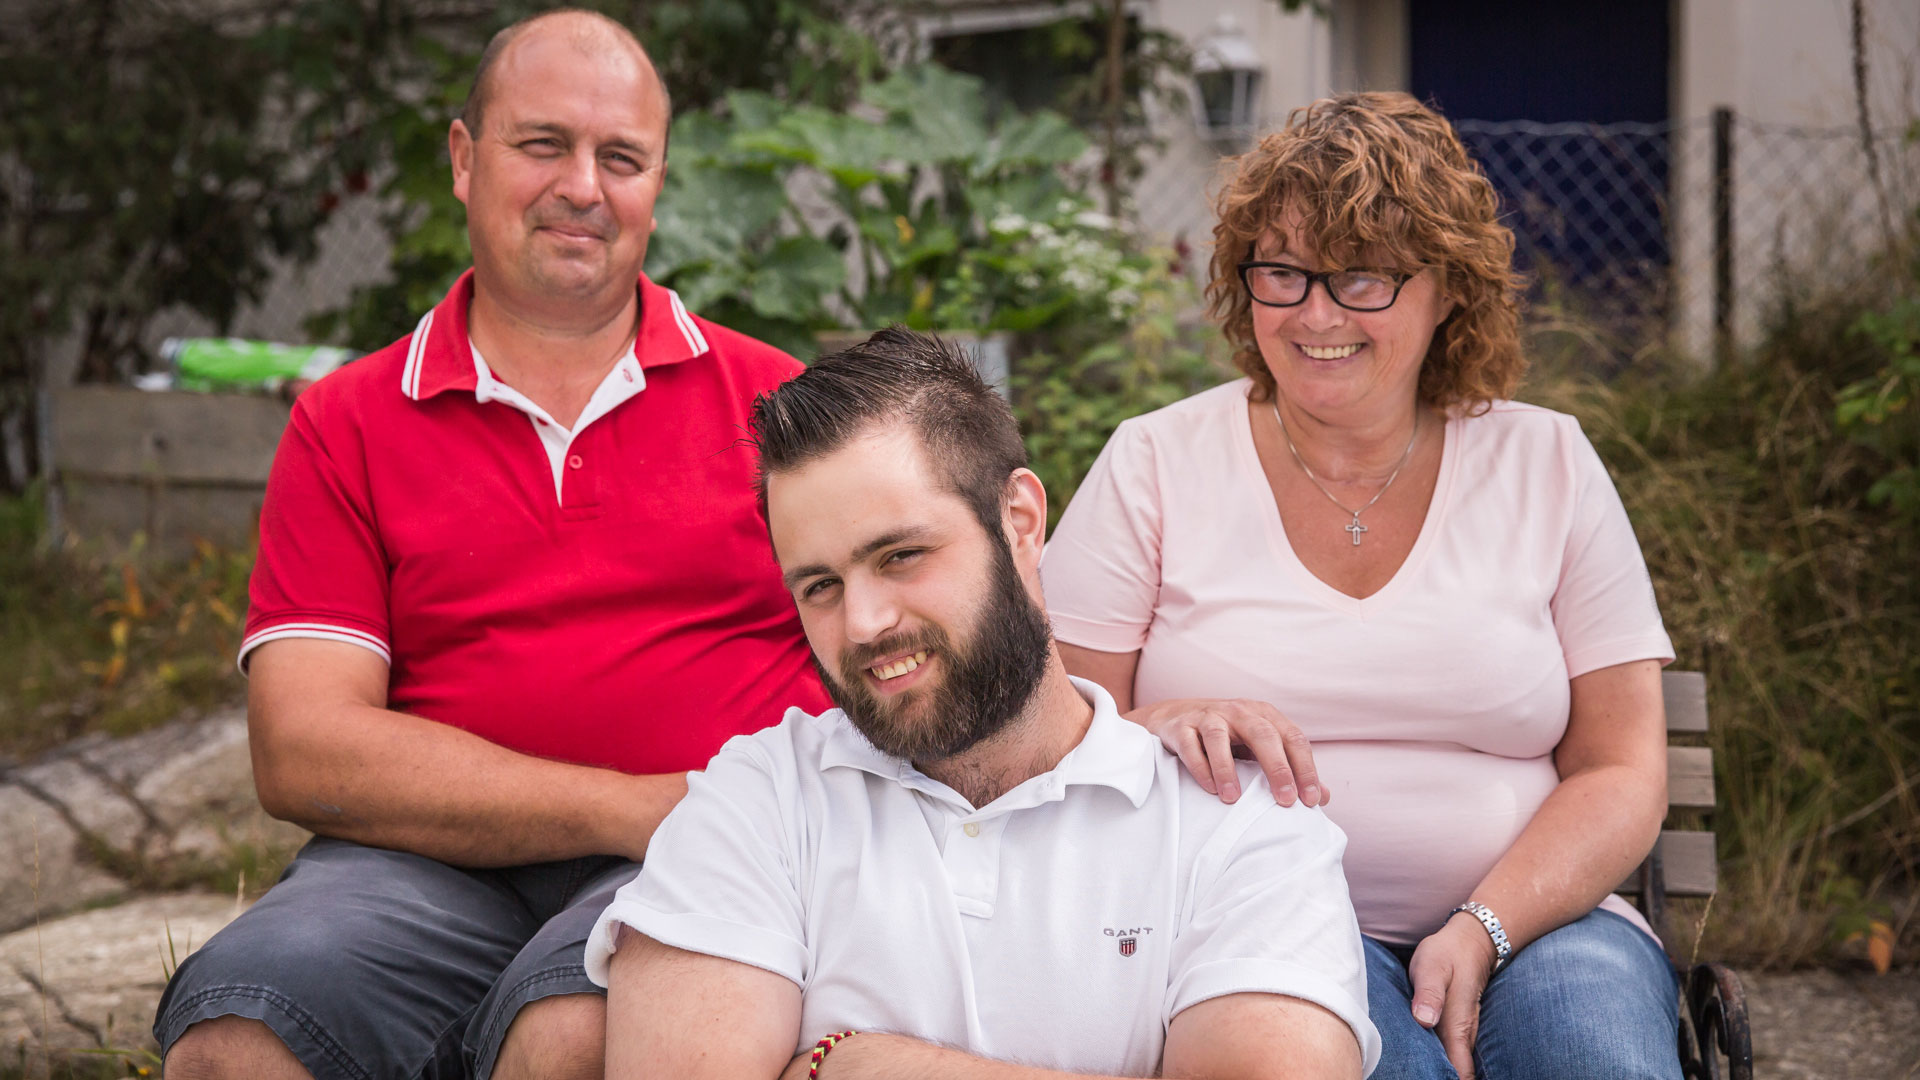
(752, 109)
(712, 214)
(946, 109)
(1037, 139)
(1036, 195)
(698, 138)
(852, 151)
(796, 278)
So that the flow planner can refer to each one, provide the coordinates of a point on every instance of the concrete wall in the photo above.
(1368, 39)
(1173, 193)
(174, 467)
(1805, 209)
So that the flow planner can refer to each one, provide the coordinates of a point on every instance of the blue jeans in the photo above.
(1595, 998)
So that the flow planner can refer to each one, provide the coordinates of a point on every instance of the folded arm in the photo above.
(688, 1016)
(331, 758)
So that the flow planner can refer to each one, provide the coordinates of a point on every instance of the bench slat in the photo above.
(1689, 777)
(1688, 862)
(1686, 696)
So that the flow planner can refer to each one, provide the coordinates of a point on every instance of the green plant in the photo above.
(914, 208)
(145, 168)
(1882, 410)
(788, 50)
(116, 643)
(1068, 406)
(1800, 601)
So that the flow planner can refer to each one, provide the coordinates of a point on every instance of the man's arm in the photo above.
(330, 757)
(1260, 1035)
(1238, 1037)
(688, 1016)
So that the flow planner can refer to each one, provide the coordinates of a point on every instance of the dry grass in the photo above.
(1800, 602)
(90, 642)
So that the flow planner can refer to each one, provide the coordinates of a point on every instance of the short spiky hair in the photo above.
(1380, 178)
(897, 376)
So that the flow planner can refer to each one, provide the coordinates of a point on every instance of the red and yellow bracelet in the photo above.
(820, 1050)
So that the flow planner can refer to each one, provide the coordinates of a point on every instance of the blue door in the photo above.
(1589, 208)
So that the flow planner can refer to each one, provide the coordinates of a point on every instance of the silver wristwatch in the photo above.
(1502, 949)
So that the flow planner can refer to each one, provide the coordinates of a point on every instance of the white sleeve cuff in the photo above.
(704, 934)
(321, 631)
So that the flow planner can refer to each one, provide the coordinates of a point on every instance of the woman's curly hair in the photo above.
(1379, 179)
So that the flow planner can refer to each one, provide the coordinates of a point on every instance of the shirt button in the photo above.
(971, 829)
(575, 462)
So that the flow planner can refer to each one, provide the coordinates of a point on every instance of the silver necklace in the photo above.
(1352, 528)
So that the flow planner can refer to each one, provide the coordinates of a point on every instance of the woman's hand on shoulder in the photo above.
(1207, 733)
(1449, 970)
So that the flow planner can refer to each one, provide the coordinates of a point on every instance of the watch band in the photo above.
(1502, 949)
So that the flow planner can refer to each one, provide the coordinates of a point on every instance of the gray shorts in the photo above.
(373, 964)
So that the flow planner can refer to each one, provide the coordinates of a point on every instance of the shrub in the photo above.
(113, 644)
(1796, 590)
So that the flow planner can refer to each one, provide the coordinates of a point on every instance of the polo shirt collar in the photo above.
(440, 353)
(1115, 753)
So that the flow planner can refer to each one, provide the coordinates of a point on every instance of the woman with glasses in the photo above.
(1366, 538)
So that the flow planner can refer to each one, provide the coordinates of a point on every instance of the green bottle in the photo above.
(234, 363)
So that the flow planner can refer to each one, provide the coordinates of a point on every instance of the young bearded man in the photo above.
(513, 584)
(974, 863)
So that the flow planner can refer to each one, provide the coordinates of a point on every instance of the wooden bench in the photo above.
(1713, 1023)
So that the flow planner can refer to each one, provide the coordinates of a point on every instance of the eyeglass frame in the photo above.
(1325, 280)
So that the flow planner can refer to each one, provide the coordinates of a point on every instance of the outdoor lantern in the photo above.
(1226, 69)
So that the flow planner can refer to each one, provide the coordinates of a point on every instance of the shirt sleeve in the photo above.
(1604, 608)
(321, 571)
(1101, 569)
(719, 874)
(1269, 913)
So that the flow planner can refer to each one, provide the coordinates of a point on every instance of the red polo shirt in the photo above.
(634, 618)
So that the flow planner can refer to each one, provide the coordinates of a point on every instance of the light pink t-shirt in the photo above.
(1435, 704)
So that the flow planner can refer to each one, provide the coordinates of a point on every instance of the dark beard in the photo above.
(987, 683)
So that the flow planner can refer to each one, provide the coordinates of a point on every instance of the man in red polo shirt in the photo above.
(512, 585)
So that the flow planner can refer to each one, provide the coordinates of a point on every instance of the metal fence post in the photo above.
(1723, 233)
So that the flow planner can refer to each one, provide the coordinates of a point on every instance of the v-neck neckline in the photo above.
(1276, 529)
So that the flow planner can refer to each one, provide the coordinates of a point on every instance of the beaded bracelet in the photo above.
(820, 1050)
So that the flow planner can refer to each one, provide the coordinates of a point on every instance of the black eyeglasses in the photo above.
(1280, 285)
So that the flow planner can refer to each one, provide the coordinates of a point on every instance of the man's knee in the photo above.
(556, 1038)
(231, 1047)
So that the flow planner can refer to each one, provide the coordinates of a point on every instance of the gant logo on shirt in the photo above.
(1129, 937)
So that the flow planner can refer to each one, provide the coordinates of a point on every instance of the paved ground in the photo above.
(1819, 1025)
(102, 971)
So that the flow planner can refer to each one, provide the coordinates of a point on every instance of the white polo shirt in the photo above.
(1063, 925)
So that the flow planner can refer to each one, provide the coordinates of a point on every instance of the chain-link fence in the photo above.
(1667, 234)
(1692, 232)
(353, 250)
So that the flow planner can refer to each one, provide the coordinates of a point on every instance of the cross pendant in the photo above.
(1355, 528)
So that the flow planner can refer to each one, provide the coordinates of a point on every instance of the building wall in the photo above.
(1173, 195)
(1805, 209)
